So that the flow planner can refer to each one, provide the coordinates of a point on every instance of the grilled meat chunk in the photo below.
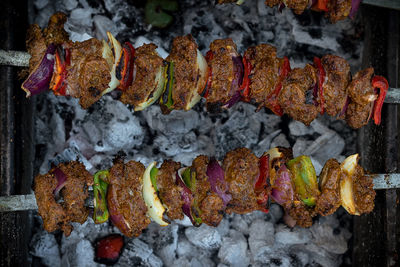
(295, 97)
(241, 173)
(222, 69)
(298, 6)
(339, 10)
(147, 65)
(364, 194)
(360, 89)
(210, 204)
(168, 191)
(184, 56)
(125, 199)
(329, 200)
(265, 71)
(338, 76)
(59, 215)
(301, 213)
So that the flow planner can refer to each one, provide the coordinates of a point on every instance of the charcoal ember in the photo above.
(79, 254)
(140, 40)
(177, 122)
(81, 17)
(173, 145)
(188, 250)
(296, 235)
(138, 253)
(280, 140)
(261, 237)
(300, 146)
(163, 240)
(223, 227)
(70, 4)
(102, 25)
(275, 213)
(109, 248)
(263, 146)
(297, 128)
(205, 237)
(44, 246)
(328, 145)
(233, 251)
(239, 224)
(324, 236)
(317, 255)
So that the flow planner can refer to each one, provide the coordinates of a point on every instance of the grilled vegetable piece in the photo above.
(100, 185)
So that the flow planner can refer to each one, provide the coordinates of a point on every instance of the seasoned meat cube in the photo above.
(295, 97)
(58, 216)
(357, 115)
(360, 89)
(125, 199)
(301, 214)
(364, 194)
(168, 191)
(37, 41)
(210, 204)
(184, 56)
(147, 65)
(329, 200)
(272, 3)
(338, 76)
(222, 73)
(265, 71)
(88, 74)
(298, 6)
(339, 10)
(241, 173)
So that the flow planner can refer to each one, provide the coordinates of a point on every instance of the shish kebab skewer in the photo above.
(21, 59)
(131, 195)
(87, 70)
(28, 202)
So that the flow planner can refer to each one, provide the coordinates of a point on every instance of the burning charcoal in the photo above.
(324, 236)
(287, 236)
(261, 237)
(176, 144)
(233, 251)
(275, 213)
(205, 237)
(138, 253)
(328, 145)
(319, 256)
(177, 122)
(223, 227)
(280, 140)
(81, 17)
(239, 224)
(70, 4)
(108, 248)
(265, 143)
(299, 129)
(79, 254)
(102, 25)
(44, 246)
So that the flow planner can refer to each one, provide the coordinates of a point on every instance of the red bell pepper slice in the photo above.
(127, 64)
(272, 99)
(209, 56)
(379, 82)
(320, 5)
(245, 87)
(63, 59)
(262, 183)
(321, 79)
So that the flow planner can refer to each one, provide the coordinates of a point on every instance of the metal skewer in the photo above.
(21, 59)
(28, 202)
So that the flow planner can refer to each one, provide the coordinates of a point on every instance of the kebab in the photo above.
(87, 70)
(336, 10)
(132, 196)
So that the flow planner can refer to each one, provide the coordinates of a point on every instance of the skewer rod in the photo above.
(28, 202)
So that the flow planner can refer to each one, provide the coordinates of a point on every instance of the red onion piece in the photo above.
(186, 195)
(345, 106)
(39, 79)
(61, 179)
(115, 216)
(281, 7)
(311, 3)
(315, 94)
(355, 4)
(217, 181)
(238, 70)
(282, 189)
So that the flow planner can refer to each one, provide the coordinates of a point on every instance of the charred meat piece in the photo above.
(169, 192)
(210, 204)
(72, 188)
(339, 10)
(272, 3)
(295, 97)
(125, 202)
(358, 115)
(147, 65)
(222, 68)
(364, 194)
(38, 40)
(88, 75)
(329, 200)
(360, 89)
(265, 71)
(241, 173)
(338, 76)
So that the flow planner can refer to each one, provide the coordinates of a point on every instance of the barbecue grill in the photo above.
(376, 236)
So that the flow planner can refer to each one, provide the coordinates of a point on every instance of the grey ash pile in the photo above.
(64, 131)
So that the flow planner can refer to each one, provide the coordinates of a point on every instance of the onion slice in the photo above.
(238, 70)
(355, 4)
(282, 188)
(61, 181)
(216, 178)
(39, 79)
(155, 209)
(202, 66)
(348, 167)
(108, 54)
(158, 90)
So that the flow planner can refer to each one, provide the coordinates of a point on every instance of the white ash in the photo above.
(64, 131)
